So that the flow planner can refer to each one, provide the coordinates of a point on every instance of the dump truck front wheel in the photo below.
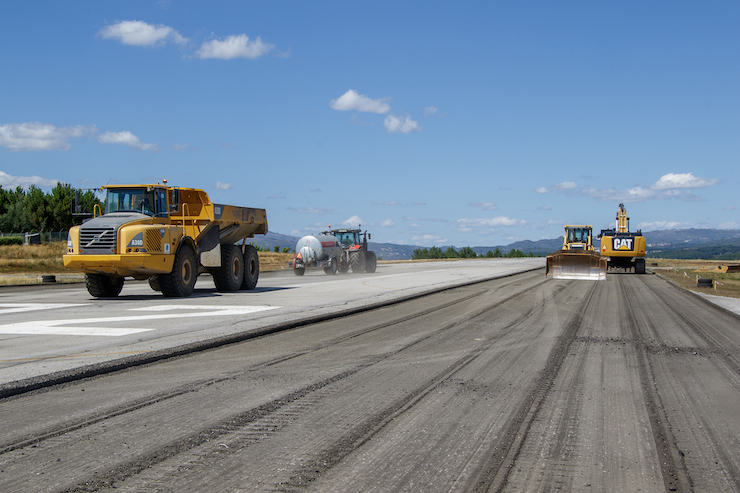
(251, 268)
(102, 286)
(229, 276)
(180, 282)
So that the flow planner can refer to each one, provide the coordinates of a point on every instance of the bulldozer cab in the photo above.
(578, 238)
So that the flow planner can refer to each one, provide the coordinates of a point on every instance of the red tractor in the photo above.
(355, 254)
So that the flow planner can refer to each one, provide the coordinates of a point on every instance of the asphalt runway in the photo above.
(517, 383)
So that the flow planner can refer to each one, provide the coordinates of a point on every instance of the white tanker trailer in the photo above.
(317, 251)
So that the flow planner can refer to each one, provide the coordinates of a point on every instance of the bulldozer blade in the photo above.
(567, 264)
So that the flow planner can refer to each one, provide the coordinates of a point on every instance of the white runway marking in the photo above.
(73, 326)
(29, 307)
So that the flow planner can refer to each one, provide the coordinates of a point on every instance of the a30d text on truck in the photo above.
(168, 235)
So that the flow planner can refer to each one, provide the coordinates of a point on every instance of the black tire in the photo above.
(154, 283)
(229, 276)
(357, 261)
(299, 271)
(640, 266)
(371, 262)
(333, 267)
(102, 286)
(251, 268)
(180, 282)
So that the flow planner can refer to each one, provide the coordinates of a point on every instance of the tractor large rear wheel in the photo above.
(370, 262)
(357, 261)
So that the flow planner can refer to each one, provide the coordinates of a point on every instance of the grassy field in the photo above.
(25, 264)
(685, 272)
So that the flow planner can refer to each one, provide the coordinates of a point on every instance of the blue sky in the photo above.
(430, 123)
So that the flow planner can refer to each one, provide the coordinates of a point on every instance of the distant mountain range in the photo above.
(674, 243)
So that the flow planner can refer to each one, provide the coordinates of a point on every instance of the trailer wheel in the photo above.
(102, 286)
(356, 261)
(370, 262)
(251, 268)
(180, 282)
(332, 269)
(299, 271)
(229, 276)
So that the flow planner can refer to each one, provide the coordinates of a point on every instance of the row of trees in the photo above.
(33, 210)
(465, 252)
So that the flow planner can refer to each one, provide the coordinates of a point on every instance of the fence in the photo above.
(34, 238)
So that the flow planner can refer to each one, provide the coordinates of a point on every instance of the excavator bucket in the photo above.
(569, 264)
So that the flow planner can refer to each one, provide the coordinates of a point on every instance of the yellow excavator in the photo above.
(577, 259)
(624, 251)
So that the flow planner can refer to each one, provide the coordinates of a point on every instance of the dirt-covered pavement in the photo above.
(514, 384)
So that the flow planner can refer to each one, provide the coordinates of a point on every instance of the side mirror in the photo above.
(175, 202)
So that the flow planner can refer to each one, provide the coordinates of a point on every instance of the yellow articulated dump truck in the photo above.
(577, 259)
(624, 251)
(168, 235)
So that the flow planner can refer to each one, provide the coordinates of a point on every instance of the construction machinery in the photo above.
(168, 235)
(624, 251)
(335, 250)
(577, 259)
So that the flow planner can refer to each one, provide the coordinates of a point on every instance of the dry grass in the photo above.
(685, 272)
(33, 259)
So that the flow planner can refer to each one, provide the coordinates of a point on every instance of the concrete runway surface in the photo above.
(516, 383)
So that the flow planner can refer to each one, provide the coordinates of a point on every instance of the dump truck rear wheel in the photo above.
(251, 268)
(102, 286)
(229, 276)
(180, 282)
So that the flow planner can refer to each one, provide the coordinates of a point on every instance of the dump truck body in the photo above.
(577, 259)
(168, 235)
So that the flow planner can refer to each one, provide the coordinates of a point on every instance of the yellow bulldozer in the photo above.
(577, 259)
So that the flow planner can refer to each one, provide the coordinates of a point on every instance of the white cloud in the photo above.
(138, 33)
(486, 206)
(542, 190)
(544, 208)
(429, 110)
(180, 147)
(392, 203)
(730, 225)
(351, 100)
(388, 223)
(127, 138)
(35, 136)
(397, 125)
(312, 210)
(238, 46)
(223, 186)
(429, 239)
(353, 221)
(7, 181)
(682, 180)
(662, 225)
(490, 222)
(729, 208)
(566, 185)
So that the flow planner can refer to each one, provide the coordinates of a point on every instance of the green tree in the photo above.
(467, 252)
(497, 253)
